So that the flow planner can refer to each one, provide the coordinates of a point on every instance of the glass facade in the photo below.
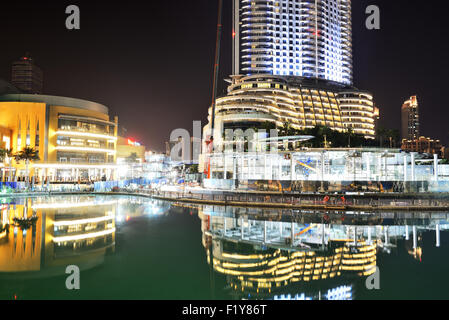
(308, 38)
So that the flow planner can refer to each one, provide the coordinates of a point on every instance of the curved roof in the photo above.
(55, 101)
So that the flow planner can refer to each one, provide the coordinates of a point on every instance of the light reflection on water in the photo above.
(139, 248)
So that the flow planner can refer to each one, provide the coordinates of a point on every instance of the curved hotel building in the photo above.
(76, 139)
(304, 103)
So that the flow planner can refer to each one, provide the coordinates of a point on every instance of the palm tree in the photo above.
(2, 158)
(27, 154)
(7, 154)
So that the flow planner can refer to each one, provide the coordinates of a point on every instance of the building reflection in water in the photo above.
(266, 254)
(60, 234)
(64, 231)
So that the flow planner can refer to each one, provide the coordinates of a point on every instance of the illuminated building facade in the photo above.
(358, 112)
(27, 76)
(423, 145)
(254, 101)
(76, 139)
(130, 158)
(157, 166)
(307, 38)
(410, 119)
(330, 169)
(127, 148)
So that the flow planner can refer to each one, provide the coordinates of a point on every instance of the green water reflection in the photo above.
(139, 248)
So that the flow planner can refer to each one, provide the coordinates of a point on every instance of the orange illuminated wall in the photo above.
(24, 119)
(55, 111)
(20, 252)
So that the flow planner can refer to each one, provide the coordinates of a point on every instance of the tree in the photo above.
(132, 158)
(287, 130)
(3, 154)
(193, 169)
(9, 155)
(27, 154)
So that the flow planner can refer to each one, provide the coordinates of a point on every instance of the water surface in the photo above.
(139, 248)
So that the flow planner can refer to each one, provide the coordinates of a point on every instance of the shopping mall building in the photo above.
(76, 139)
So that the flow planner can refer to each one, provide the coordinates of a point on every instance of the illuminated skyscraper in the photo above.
(26, 76)
(410, 119)
(308, 38)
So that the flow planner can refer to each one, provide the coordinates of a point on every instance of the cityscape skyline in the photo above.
(137, 79)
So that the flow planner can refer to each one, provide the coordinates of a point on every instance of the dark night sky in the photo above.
(151, 62)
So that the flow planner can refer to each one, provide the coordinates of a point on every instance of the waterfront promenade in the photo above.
(323, 202)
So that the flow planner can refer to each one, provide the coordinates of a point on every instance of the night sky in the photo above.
(151, 62)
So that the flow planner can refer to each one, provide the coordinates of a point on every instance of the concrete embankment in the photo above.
(334, 202)
(375, 205)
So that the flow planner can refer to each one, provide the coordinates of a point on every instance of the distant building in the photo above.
(445, 153)
(26, 76)
(127, 147)
(7, 88)
(422, 145)
(410, 119)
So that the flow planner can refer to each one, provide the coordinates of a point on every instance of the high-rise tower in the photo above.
(308, 38)
(410, 119)
(26, 76)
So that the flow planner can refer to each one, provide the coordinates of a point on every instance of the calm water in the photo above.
(136, 248)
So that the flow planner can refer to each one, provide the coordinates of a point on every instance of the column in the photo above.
(413, 166)
(225, 171)
(379, 166)
(322, 166)
(438, 242)
(224, 225)
(292, 233)
(265, 167)
(242, 169)
(405, 167)
(407, 233)
(281, 229)
(241, 228)
(322, 234)
(234, 163)
(265, 232)
(415, 238)
(368, 167)
(292, 168)
(280, 169)
(435, 166)
(355, 235)
(254, 168)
